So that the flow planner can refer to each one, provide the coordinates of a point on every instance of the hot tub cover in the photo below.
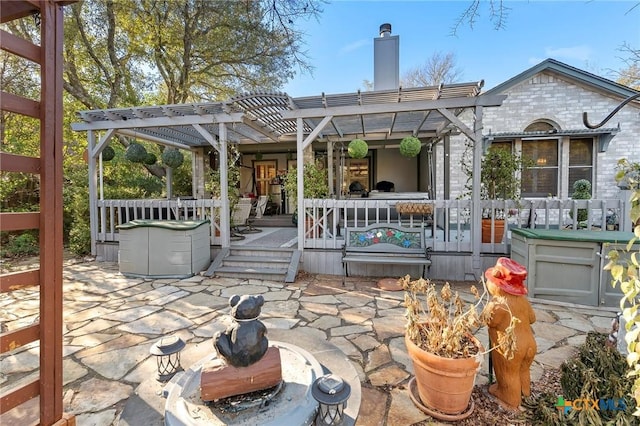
(176, 225)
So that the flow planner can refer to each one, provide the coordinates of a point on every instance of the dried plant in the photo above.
(441, 322)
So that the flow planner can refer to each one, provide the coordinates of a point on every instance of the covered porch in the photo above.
(277, 123)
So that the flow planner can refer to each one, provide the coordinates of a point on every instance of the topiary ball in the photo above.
(151, 159)
(135, 153)
(173, 158)
(358, 148)
(410, 146)
(108, 153)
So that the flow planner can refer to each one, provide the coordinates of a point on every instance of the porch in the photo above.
(449, 232)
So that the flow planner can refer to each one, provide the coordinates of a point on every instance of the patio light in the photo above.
(332, 394)
(167, 353)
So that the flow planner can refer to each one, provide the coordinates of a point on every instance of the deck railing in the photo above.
(447, 224)
(112, 213)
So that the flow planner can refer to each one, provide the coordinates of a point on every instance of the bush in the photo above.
(23, 244)
(80, 238)
(173, 158)
(581, 191)
(136, 153)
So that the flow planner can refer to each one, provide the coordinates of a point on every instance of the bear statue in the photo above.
(244, 342)
(505, 282)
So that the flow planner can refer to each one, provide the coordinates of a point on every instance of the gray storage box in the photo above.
(567, 266)
(164, 248)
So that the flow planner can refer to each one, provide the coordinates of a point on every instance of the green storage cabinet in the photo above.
(566, 266)
(164, 248)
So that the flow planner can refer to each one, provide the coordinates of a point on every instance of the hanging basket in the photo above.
(173, 158)
(135, 153)
(108, 153)
(410, 146)
(358, 148)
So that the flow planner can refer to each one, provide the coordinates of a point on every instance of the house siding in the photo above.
(561, 100)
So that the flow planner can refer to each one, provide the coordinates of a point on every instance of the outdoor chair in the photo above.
(239, 218)
(257, 211)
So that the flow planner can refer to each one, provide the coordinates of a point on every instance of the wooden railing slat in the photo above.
(19, 337)
(19, 280)
(20, 105)
(15, 397)
(19, 46)
(19, 163)
(19, 221)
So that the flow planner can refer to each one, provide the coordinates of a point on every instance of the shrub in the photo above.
(581, 191)
(23, 244)
(358, 148)
(80, 238)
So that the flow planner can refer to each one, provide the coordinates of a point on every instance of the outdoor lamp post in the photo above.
(332, 394)
(167, 353)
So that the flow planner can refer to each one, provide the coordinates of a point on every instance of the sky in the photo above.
(586, 34)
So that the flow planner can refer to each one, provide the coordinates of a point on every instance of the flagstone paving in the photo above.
(111, 322)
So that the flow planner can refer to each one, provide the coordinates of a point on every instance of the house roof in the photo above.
(272, 117)
(567, 71)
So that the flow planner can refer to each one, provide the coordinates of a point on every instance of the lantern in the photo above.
(332, 394)
(167, 353)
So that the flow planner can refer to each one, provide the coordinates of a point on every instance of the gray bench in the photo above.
(385, 244)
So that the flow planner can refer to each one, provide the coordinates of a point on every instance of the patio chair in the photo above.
(257, 212)
(239, 218)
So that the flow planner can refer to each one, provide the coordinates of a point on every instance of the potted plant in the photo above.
(499, 180)
(439, 339)
(581, 191)
(315, 186)
(628, 174)
(612, 220)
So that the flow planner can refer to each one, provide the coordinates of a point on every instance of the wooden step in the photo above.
(256, 262)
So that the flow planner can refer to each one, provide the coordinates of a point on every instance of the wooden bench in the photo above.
(385, 244)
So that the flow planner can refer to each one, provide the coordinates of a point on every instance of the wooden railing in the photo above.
(448, 226)
(112, 213)
(447, 223)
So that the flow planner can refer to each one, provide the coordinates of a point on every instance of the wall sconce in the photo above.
(332, 394)
(167, 353)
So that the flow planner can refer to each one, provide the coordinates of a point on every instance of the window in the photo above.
(580, 161)
(541, 179)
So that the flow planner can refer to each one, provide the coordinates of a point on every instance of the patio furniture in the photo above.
(257, 211)
(385, 244)
(239, 218)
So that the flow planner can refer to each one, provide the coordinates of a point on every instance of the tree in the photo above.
(439, 68)
(630, 76)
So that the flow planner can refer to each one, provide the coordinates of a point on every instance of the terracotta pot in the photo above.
(444, 384)
(498, 231)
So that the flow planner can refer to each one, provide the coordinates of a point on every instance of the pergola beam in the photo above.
(158, 122)
(483, 100)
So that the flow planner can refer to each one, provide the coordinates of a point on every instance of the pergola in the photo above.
(429, 113)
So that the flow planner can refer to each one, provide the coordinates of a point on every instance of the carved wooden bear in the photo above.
(513, 379)
(244, 342)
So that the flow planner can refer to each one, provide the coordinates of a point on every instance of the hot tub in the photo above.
(566, 266)
(164, 248)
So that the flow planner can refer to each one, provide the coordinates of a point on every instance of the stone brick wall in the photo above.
(550, 97)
